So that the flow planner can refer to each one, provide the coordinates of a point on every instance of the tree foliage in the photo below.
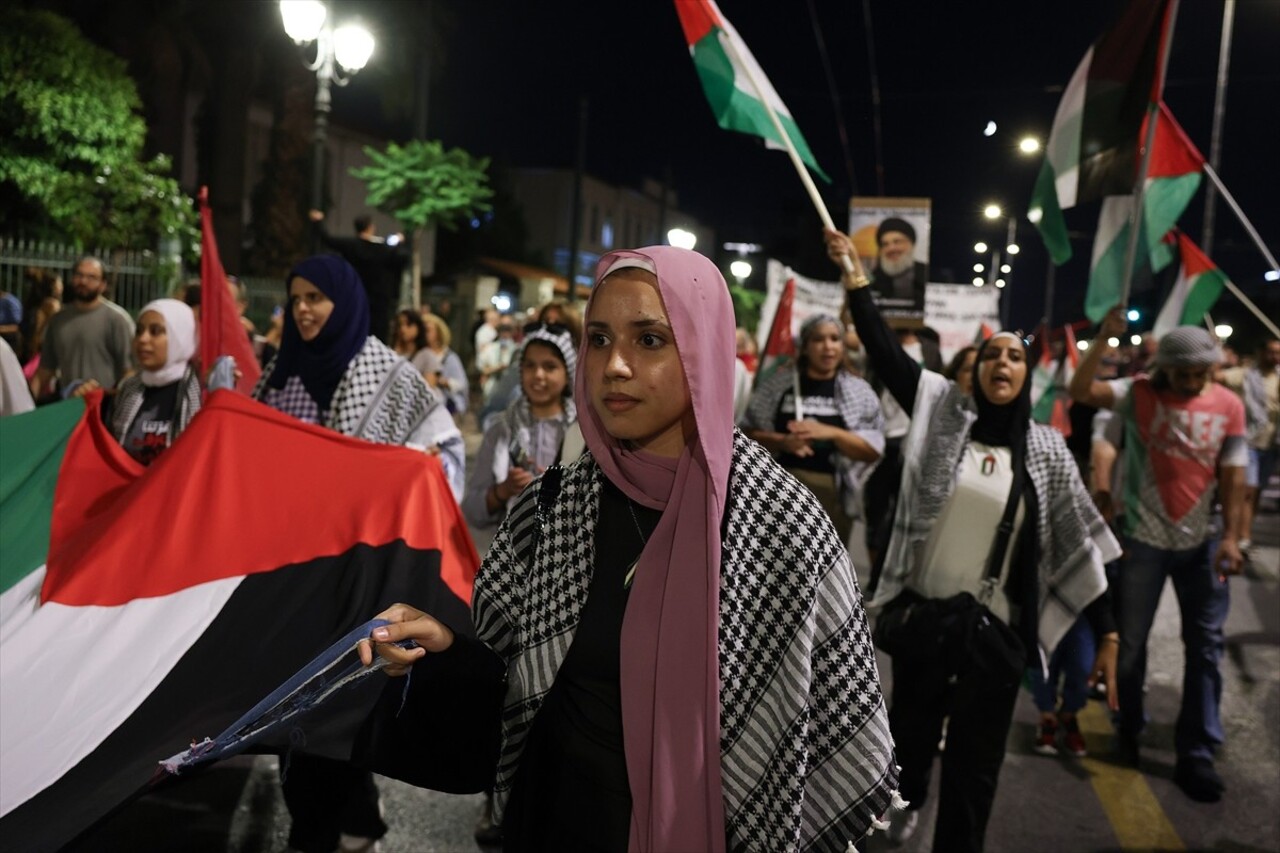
(421, 184)
(746, 305)
(71, 142)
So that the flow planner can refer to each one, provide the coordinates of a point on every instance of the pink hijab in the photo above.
(670, 655)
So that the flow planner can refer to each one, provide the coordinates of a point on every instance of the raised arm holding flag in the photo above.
(744, 100)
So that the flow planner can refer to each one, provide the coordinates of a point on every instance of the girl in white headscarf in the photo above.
(151, 408)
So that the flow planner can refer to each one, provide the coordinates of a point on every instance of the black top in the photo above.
(571, 791)
(897, 371)
(819, 397)
(148, 435)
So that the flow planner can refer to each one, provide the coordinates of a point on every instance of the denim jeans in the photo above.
(1071, 662)
(1203, 601)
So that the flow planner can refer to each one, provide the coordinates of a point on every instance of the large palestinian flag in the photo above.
(1092, 148)
(142, 609)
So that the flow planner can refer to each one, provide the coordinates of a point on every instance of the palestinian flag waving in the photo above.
(733, 81)
(1173, 176)
(1050, 379)
(1198, 287)
(780, 348)
(1092, 147)
(141, 608)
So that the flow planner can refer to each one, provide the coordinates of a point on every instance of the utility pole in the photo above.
(575, 219)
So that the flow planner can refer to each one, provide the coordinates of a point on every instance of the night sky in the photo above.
(514, 72)
(507, 80)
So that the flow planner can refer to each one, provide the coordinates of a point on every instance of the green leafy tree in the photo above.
(746, 305)
(71, 142)
(421, 185)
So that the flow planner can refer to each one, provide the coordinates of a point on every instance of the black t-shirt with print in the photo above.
(148, 435)
(819, 396)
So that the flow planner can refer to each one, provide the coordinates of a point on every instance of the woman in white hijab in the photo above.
(151, 408)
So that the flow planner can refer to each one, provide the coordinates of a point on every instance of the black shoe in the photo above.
(1127, 751)
(1198, 780)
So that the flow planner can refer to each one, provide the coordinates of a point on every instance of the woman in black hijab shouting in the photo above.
(997, 549)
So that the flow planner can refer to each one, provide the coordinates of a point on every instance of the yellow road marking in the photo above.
(1133, 810)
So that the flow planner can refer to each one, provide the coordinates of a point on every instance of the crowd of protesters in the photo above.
(658, 511)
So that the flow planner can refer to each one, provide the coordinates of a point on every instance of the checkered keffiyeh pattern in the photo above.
(806, 756)
(1074, 541)
(380, 398)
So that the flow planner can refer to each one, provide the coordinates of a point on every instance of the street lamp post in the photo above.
(340, 53)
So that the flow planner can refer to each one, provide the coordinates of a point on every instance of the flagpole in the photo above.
(1244, 220)
(1139, 188)
(851, 263)
(1219, 113)
(1257, 312)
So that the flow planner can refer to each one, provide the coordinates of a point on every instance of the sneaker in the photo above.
(902, 825)
(1072, 739)
(1047, 737)
(1198, 779)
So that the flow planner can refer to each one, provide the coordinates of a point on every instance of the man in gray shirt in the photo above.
(90, 340)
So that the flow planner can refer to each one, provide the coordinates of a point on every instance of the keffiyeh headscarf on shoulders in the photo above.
(180, 332)
(320, 363)
(521, 424)
(670, 677)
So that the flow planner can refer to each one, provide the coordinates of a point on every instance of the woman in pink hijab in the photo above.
(671, 651)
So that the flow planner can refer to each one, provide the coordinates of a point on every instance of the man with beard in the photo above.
(899, 279)
(87, 344)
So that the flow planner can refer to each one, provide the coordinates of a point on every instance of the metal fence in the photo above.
(134, 276)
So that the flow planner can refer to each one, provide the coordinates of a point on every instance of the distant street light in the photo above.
(682, 239)
(978, 268)
(1223, 331)
(1012, 248)
(981, 248)
(1133, 315)
(740, 269)
(1135, 339)
(340, 53)
(1005, 268)
(992, 211)
(990, 129)
(999, 282)
(978, 281)
(1029, 145)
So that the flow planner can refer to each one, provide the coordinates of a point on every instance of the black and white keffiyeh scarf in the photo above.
(806, 756)
(1074, 542)
(380, 398)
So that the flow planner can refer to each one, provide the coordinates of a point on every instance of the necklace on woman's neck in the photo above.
(644, 540)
